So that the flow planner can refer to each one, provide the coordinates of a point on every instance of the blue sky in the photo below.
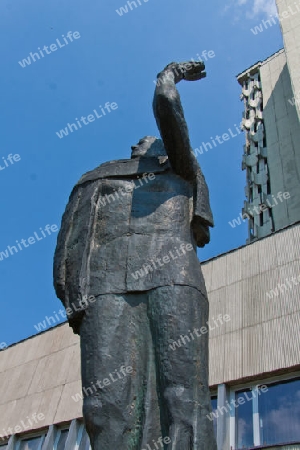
(114, 59)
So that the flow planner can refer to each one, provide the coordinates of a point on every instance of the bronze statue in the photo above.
(127, 271)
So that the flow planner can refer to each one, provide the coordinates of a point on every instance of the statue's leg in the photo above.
(182, 369)
(120, 405)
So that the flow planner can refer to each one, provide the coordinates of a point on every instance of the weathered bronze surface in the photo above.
(127, 271)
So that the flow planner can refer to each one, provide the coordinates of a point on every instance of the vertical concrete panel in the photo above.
(68, 408)
(290, 339)
(232, 302)
(218, 273)
(250, 261)
(252, 350)
(233, 267)
(233, 343)
(216, 307)
(285, 247)
(267, 255)
(74, 372)
(272, 339)
(206, 270)
(251, 303)
(216, 361)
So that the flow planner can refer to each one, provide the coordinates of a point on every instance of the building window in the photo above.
(267, 414)
(244, 419)
(214, 406)
(61, 438)
(33, 443)
(279, 413)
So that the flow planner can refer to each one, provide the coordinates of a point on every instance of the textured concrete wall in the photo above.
(41, 374)
(263, 334)
(282, 128)
(289, 11)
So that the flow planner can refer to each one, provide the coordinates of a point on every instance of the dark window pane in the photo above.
(31, 444)
(214, 405)
(244, 419)
(62, 440)
(279, 412)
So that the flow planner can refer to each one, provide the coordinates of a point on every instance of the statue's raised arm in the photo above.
(173, 129)
(170, 119)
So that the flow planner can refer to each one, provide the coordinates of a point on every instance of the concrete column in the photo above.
(232, 432)
(49, 441)
(85, 438)
(255, 416)
(12, 442)
(72, 435)
(223, 421)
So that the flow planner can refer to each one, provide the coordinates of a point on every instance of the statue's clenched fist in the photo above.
(190, 71)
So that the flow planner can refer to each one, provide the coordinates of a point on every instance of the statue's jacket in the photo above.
(125, 229)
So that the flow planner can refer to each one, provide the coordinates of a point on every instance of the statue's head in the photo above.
(148, 146)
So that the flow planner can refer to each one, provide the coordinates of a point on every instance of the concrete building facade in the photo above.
(289, 13)
(254, 360)
(271, 154)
